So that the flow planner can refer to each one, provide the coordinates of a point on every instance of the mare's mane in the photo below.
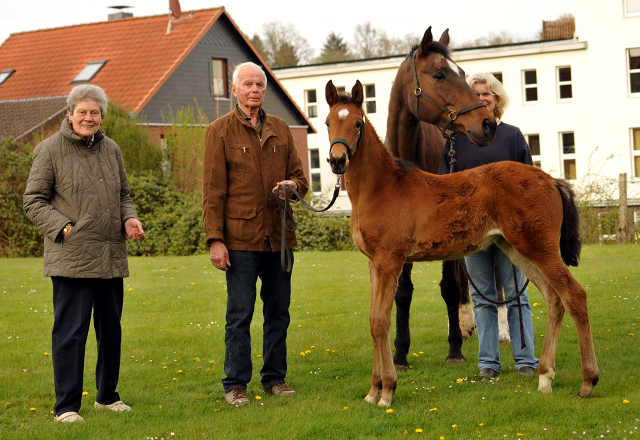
(436, 47)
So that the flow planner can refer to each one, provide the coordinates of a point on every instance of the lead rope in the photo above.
(286, 254)
(523, 344)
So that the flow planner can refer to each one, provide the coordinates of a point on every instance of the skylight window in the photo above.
(5, 74)
(88, 72)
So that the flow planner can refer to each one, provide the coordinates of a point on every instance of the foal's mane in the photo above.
(436, 47)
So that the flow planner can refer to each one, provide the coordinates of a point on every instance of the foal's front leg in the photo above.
(383, 284)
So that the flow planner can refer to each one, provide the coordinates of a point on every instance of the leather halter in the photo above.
(453, 114)
(342, 141)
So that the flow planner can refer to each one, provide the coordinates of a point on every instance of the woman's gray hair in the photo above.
(494, 86)
(87, 91)
(239, 67)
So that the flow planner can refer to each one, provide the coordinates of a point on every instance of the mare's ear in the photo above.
(444, 38)
(331, 93)
(425, 44)
(356, 94)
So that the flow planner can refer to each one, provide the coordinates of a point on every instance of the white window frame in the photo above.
(564, 83)
(88, 72)
(635, 151)
(632, 71)
(5, 74)
(567, 156)
(311, 106)
(315, 172)
(370, 99)
(526, 86)
(219, 87)
(635, 8)
(537, 159)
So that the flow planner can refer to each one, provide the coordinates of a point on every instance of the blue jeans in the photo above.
(246, 267)
(481, 270)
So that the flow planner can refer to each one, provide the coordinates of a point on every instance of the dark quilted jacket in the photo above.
(69, 182)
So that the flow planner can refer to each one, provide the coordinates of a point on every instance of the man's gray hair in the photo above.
(239, 67)
(87, 91)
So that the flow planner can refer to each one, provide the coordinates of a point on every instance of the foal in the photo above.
(402, 214)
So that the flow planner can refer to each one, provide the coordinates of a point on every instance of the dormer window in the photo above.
(5, 74)
(88, 72)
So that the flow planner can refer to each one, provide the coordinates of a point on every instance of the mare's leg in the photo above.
(404, 294)
(503, 323)
(384, 282)
(450, 291)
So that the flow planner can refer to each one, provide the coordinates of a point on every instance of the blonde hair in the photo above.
(495, 87)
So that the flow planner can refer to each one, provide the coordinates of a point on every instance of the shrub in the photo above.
(18, 236)
(321, 231)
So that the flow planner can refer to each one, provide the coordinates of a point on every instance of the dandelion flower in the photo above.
(175, 379)
(625, 401)
(441, 437)
(164, 368)
(418, 430)
(259, 355)
(302, 353)
(32, 409)
(454, 426)
(433, 409)
(481, 424)
(197, 359)
(179, 371)
(46, 354)
(258, 398)
(299, 325)
(130, 289)
(459, 380)
(389, 411)
(84, 393)
(345, 408)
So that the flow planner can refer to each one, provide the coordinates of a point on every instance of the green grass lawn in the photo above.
(173, 353)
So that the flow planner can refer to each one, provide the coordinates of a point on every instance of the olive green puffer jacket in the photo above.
(88, 187)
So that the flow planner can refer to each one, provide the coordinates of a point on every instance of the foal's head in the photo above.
(345, 124)
(430, 73)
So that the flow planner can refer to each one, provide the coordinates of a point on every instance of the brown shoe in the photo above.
(526, 371)
(488, 373)
(280, 389)
(237, 397)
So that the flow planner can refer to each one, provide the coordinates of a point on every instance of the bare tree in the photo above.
(372, 42)
(281, 45)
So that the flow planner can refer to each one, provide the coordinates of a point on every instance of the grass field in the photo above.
(173, 349)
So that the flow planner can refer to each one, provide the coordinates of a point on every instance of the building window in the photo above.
(632, 7)
(530, 80)
(341, 89)
(88, 72)
(219, 78)
(569, 156)
(565, 88)
(314, 169)
(634, 70)
(311, 100)
(635, 133)
(498, 76)
(534, 146)
(5, 74)
(370, 98)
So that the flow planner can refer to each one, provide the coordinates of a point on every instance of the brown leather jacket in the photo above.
(239, 173)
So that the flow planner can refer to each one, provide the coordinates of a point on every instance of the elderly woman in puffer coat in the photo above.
(77, 194)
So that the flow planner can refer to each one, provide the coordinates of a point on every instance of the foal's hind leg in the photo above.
(404, 294)
(450, 290)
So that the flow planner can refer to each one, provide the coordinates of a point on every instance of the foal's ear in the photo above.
(425, 44)
(331, 93)
(356, 94)
(444, 38)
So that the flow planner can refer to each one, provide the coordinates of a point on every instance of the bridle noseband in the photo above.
(342, 141)
(453, 114)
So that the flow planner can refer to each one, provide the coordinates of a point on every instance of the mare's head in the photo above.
(345, 124)
(429, 74)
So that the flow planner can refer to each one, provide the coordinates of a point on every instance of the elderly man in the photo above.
(248, 154)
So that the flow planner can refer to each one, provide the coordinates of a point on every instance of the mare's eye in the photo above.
(326, 123)
(439, 76)
(359, 125)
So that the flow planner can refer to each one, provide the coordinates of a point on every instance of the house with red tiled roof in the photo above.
(144, 64)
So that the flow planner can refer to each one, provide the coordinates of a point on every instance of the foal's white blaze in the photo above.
(343, 114)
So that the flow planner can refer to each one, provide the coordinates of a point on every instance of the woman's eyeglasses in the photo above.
(485, 95)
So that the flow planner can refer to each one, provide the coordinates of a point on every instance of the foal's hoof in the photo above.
(400, 368)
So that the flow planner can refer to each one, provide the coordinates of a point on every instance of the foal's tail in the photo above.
(570, 241)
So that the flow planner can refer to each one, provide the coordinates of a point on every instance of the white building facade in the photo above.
(577, 101)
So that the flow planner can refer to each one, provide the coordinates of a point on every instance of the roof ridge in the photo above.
(120, 20)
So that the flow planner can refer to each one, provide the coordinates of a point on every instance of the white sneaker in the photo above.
(68, 417)
(115, 406)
